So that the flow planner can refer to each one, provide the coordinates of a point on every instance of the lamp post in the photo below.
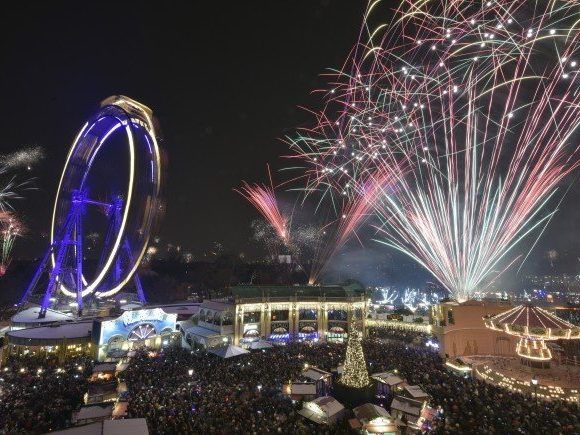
(534, 382)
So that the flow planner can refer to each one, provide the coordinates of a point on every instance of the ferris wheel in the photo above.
(109, 190)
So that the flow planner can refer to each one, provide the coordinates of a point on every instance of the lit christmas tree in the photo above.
(355, 373)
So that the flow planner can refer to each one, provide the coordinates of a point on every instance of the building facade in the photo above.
(461, 330)
(307, 313)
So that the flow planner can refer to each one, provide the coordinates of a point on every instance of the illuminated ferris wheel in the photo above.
(107, 202)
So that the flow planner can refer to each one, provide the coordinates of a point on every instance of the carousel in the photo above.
(533, 326)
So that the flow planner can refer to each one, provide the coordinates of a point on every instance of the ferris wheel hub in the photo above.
(126, 128)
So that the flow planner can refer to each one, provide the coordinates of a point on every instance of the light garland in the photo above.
(355, 373)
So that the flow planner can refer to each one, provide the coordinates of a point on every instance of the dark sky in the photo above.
(225, 80)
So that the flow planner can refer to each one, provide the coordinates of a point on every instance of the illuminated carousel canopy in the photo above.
(534, 322)
(533, 325)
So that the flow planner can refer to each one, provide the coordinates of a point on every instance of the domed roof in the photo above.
(529, 320)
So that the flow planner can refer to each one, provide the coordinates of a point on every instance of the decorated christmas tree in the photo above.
(355, 373)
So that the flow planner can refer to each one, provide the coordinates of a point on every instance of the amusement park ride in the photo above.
(125, 203)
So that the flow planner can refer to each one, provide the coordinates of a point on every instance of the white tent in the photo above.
(322, 410)
(228, 351)
(261, 345)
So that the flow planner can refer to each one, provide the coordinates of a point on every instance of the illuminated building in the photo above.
(100, 338)
(461, 331)
(282, 313)
(276, 313)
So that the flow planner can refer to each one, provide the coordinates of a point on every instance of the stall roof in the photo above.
(93, 411)
(67, 330)
(202, 332)
(370, 411)
(228, 351)
(303, 389)
(388, 378)
(416, 392)
(132, 426)
(50, 335)
(411, 407)
(315, 373)
(30, 315)
(327, 404)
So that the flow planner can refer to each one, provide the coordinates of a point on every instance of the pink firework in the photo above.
(263, 198)
(355, 212)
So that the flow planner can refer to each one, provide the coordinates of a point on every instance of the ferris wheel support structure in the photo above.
(130, 214)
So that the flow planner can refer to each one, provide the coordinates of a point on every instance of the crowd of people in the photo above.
(243, 395)
(398, 334)
(236, 395)
(467, 404)
(182, 391)
(37, 394)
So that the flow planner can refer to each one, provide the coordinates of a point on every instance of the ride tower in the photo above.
(107, 203)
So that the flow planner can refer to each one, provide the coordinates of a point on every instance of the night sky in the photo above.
(224, 79)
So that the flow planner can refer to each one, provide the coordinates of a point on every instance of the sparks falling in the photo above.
(496, 135)
(263, 198)
(471, 110)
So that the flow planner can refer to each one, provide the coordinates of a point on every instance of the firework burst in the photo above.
(465, 114)
(263, 198)
(11, 228)
(24, 158)
(493, 108)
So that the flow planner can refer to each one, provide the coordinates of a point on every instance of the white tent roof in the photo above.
(315, 373)
(416, 392)
(202, 332)
(306, 389)
(329, 405)
(228, 351)
(406, 406)
(95, 411)
(321, 409)
(388, 378)
(132, 426)
(30, 315)
(261, 345)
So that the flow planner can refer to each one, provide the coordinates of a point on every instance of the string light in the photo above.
(355, 373)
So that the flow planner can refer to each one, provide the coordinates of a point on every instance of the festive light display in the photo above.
(24, 158)
(11, 228)
(389, 296)
(534, 326)
(129, 216)
(355, 373)
(263, 198)
(470, 111)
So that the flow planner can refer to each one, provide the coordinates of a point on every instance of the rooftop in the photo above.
(79, 329)
(370, 411)
(30, 315)
(133, 426)
(532, 317)
(331, 291)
